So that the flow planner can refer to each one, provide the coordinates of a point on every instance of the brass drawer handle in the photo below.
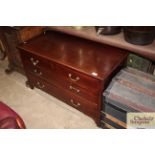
(75, 104)
(71, 78)
(40, 85)
(34, 62)
(36, 71)
(73, 88)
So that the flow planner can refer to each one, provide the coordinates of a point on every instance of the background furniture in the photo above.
(118, 40)
(9, 119)
(14, 36)
(140, 57)
(130, 91)
(140, 63)
(2, 46)
(72, 69)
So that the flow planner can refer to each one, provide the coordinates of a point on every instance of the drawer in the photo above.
(79, 91)
(75, 101)
(43, 73)
(30, 60)
(75, 77)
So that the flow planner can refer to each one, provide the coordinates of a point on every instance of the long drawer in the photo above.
(86, 106)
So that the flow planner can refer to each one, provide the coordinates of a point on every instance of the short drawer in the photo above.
(43, 73)
(82, 104)
(75, 101)
(82, 92)
(31, 60)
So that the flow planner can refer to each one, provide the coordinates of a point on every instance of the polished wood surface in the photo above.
(88, 57)
(72, 69)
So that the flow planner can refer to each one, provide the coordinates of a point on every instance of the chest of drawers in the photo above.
(72, 69)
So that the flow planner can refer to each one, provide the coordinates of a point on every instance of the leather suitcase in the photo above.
(130, 91)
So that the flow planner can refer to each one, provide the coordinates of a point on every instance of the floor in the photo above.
(38, 109)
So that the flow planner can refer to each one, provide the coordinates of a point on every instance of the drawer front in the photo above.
(47, 75)
(79, 91)
(30, 60)
(79, 103)
(108, 124)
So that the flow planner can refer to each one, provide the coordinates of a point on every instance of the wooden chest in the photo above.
(130, 91)
(72, 69)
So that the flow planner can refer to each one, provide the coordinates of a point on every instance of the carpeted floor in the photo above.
(38, 109)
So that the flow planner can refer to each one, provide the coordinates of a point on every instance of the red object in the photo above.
(9, 119)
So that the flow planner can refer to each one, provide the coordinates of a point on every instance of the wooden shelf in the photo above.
(147, 51)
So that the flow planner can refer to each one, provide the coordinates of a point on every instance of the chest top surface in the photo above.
(86, 56)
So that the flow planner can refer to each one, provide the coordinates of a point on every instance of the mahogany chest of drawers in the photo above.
(72, 69)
